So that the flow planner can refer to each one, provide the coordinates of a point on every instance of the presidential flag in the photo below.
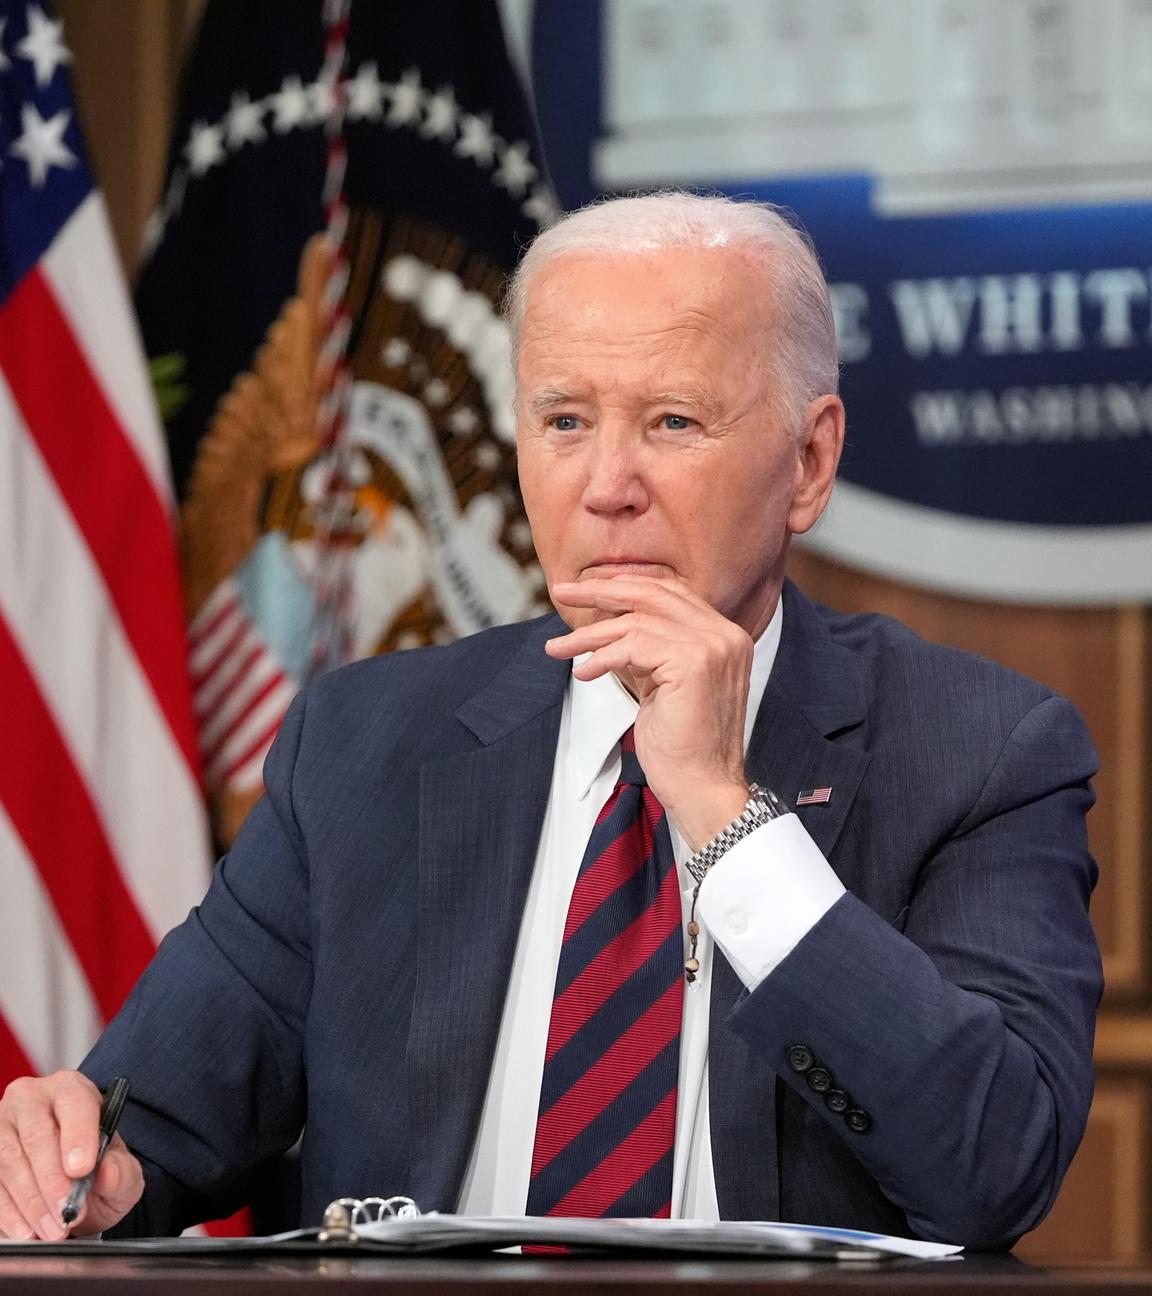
(339, 411)
(103, 842)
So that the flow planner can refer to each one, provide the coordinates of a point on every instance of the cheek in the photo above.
(548, 508)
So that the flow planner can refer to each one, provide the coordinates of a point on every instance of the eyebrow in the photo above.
(548, 398)
(696, 397)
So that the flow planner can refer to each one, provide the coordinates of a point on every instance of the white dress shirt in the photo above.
(756, 904)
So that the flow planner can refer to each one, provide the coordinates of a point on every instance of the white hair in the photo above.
(800, 353)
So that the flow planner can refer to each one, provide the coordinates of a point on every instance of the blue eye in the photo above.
(676, 422)
(565, 422)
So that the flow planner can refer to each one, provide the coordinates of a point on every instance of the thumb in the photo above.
(116, 1187)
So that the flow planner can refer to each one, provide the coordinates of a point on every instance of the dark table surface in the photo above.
(52, 1275)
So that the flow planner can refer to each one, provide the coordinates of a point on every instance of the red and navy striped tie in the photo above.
(607, 1119)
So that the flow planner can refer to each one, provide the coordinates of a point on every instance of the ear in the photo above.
(818, 455)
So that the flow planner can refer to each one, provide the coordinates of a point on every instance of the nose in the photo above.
(615, 481)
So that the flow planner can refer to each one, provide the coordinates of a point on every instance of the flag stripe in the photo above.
(109, 493)
(49, 1009)
(222, 605)
(70, 848)
(58, 611)
(245, 772)
(14, 1061)
(252, 717)
(84, 272)
(238, 704)
(256, 748)
(211, 679)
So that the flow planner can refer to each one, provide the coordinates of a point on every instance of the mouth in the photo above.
(621, 566)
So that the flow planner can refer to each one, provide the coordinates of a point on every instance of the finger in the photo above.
(20, 1181)
(626, 593)
(13, 1225)
(589, 638)
(117, 1186)
(76, 1106)
(643, 656)
(600, 633)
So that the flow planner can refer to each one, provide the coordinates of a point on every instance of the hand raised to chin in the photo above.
(689, 667)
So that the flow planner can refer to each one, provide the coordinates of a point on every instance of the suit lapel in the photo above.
(480, 818)
(807, 733)
(805, 736)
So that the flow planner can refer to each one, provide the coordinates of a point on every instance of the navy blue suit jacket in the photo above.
(345, 974)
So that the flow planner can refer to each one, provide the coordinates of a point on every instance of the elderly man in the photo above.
(704, 901)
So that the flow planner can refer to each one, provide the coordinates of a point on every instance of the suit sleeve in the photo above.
(211, 1036)
(964, 1042)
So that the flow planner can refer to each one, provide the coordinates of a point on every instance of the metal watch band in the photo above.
(762, 806)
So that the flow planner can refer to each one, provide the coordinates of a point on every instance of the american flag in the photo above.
(103, 842)
(814, 796)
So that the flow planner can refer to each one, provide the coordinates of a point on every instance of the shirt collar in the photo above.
(601, 710)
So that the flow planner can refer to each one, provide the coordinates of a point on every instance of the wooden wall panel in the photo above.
(126, 62)
(1103, 1208)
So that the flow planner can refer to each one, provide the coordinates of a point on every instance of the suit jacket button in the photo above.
(857, 1120)
(836, 1100)
(819, 1079)
(800, 1058)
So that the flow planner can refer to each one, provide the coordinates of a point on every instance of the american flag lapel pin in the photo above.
(814, 796)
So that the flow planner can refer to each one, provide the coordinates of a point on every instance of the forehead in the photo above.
(674, 300)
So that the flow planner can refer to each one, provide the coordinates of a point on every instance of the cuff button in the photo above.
(836, 1100)
(819, 1079)
(857, 1120)
(801, 1058)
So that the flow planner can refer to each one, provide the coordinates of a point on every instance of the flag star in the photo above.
(463, 421)
(476, 139)
(395, 352)
(4, 63)
(541, 206)
(41, 145)
(436, 393)
(244, 124)
(321, 99)
(407, 97)
(205, 148)
(440, 113)
(43, 46)
(515, 172)
(290, 106)
(366, 94)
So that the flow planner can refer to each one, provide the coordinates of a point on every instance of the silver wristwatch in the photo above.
(762, 806)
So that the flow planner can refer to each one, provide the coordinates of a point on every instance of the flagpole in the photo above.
(331, 630)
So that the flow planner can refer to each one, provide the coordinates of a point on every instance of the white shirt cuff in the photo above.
(765, 894)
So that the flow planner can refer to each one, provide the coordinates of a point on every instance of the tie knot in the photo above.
(630, 771)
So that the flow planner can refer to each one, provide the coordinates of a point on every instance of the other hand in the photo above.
(689, 668)
(49, 1133)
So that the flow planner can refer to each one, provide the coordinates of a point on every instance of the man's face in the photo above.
(650, 439)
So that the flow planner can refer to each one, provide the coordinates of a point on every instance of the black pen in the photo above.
(110, 1108)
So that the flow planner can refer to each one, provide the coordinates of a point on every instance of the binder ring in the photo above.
(371, 1210)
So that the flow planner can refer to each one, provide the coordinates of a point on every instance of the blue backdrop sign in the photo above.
(996, 358)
